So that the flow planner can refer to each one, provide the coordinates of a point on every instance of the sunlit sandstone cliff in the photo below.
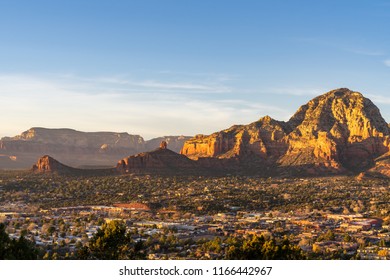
(337, 131)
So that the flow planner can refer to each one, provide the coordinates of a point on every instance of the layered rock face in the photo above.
(340, 130)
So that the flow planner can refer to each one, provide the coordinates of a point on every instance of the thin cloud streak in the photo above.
(183, 86)
(124, 84)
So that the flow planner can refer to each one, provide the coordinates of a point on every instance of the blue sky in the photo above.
(154, 67)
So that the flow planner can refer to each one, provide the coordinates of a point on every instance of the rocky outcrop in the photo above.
(335, 132)
(161, 160)
(47, 164)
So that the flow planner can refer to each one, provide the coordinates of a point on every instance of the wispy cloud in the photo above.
(122, 84)
(387, 62)
(182, 86)
(222, 77)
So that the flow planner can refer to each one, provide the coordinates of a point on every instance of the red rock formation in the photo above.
(333, 132)
(48, 164)
(340, 129)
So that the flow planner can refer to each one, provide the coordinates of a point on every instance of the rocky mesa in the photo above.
(70, 146)
(76, 148)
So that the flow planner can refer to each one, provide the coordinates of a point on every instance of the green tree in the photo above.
(111, 242)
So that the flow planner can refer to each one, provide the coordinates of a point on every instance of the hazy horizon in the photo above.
(156, 68)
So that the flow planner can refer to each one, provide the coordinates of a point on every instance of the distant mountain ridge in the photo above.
(76, 148)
